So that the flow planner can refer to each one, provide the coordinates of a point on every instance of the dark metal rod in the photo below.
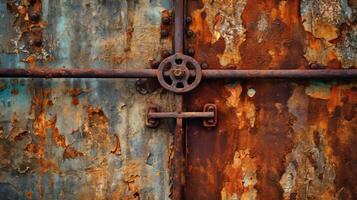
(181, 115)
(179, 25)
(152, 73)
(76, 73)
(280, 73)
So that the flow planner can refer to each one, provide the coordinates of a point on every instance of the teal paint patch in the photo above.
(319, 90)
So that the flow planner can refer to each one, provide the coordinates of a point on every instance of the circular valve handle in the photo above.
(179, 73)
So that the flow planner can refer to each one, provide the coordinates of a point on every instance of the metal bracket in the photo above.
(209, 115)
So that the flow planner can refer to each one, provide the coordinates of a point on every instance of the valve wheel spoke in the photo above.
(175, 78)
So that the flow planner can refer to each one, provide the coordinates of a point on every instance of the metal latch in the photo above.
(209, 115)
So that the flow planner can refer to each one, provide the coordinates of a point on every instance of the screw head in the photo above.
(190, 51)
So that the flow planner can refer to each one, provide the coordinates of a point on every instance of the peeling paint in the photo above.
(295, 139)
(80, 138)
(224, 21)
(332, 40)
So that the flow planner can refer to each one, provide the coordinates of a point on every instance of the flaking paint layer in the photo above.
(81, 138)
(292, 139)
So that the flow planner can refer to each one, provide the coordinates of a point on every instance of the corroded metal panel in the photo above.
(275, 139)
(81, 138)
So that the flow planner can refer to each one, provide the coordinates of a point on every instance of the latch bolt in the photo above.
(209, 115)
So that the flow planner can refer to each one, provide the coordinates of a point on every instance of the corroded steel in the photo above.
(159, 115)
(179, 25)
(281, 74)
(212, 122)
(76, 73)
(178, 69)
(276, 139)
(82, 138)
(197, 73)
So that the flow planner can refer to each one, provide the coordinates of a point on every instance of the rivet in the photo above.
(189, 33)
(165, 54)
(188, 20)
(165, 20)
(37, 42)
(34, 17)
(155, 64)
(164, 33)
(316, 66)
(190, 51)
(204, 65)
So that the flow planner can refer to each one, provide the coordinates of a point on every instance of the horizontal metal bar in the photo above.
(151, 73)
(76, 73)
(157, 115)
(281, 73)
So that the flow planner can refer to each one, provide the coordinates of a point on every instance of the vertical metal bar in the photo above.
(178, 171)
(178, 180)
(179, 19)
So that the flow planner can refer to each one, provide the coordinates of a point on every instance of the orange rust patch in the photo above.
(29, 195)
(75, 93)
(240, 177)
(71, 153)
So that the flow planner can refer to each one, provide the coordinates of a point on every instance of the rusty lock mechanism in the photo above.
(209, 116)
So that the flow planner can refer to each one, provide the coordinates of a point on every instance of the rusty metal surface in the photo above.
(281, 74)
(186, 72)
(181, 115)
(77, 73)
(81, 138)
(275, 139)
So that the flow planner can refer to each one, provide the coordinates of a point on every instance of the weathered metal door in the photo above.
(81, 138)
(276, 81)
(275, 139)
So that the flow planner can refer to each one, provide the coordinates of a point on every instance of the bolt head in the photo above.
(178, 73)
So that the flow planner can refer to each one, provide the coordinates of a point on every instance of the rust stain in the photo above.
(29, 28)
(71, 153)
(243, 168)
(222, 20)
(75, 93)
(286, 134)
